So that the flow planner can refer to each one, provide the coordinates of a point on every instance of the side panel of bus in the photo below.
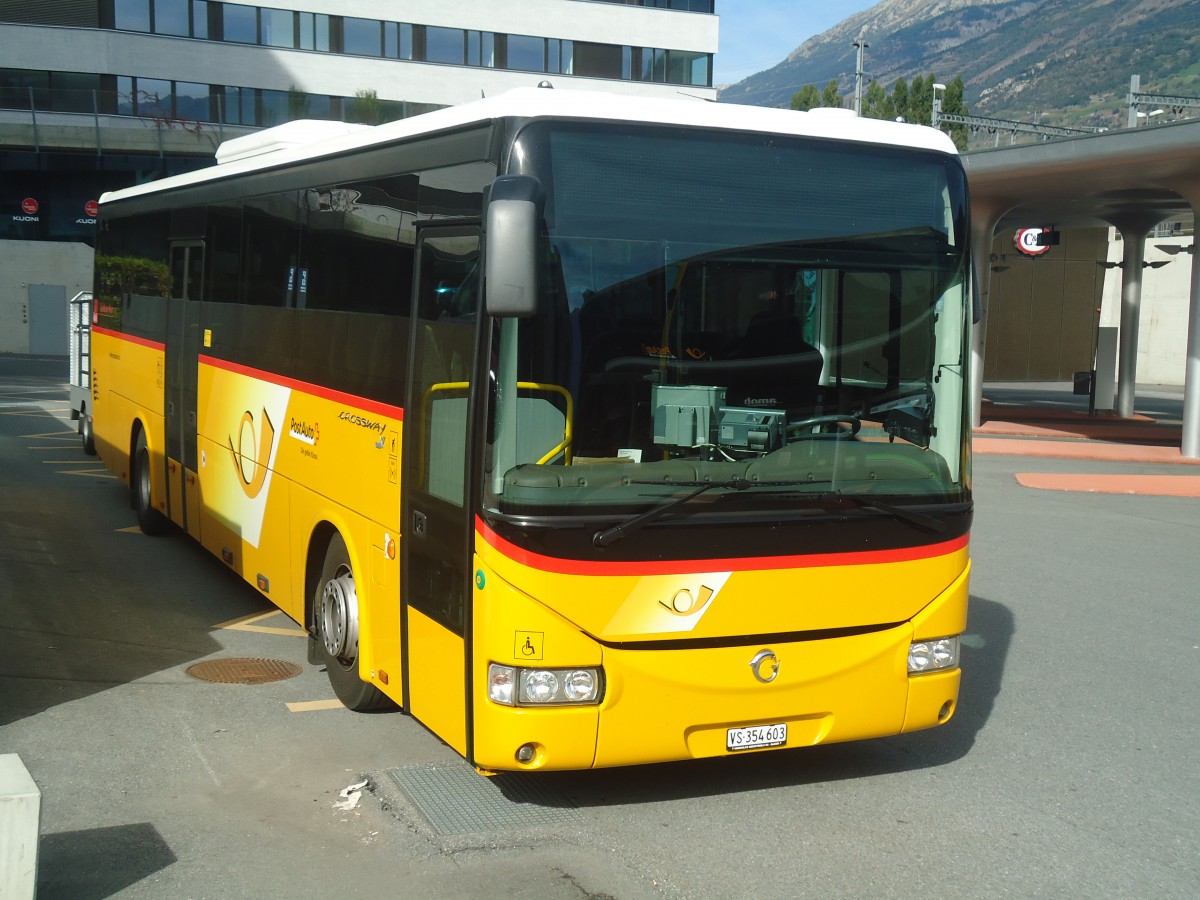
(283, 465)
(128, 391)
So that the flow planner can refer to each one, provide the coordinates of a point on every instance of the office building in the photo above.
(100, 94)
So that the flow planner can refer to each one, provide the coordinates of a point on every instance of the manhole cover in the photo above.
(244, 670)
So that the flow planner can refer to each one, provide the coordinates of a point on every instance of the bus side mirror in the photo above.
(512, 228)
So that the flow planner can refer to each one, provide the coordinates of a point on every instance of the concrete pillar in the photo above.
(20, 819)
(1134, 227)
(1190, 447)
(1191, 379)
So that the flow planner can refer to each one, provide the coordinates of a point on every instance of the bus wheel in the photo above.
(149, 519)
(85, 433)
(335, 608)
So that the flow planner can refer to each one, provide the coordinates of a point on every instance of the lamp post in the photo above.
(861, 46)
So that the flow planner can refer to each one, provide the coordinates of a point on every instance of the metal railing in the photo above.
(1137, 99)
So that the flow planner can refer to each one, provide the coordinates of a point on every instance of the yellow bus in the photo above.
(588, 430)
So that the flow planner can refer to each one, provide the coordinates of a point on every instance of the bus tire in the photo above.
(86, 438)
(335, 609)
(149, 519)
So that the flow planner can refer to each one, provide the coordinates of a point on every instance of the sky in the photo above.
(756, 34)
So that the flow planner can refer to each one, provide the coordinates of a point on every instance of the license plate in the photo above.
(756, 736)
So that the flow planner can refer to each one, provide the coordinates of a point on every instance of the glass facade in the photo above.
(268, 27)
(181, 101)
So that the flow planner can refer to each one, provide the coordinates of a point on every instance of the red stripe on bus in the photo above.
(695, 566)
(382, 409)
(122, 336)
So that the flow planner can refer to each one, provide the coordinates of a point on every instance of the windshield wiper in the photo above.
(609, 536)
(915, 519)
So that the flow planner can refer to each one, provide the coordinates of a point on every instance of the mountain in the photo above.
(1060, 62)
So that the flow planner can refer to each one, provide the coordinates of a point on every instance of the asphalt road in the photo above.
(1072, 768)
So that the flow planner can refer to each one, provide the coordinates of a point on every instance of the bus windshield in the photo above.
(760, 321)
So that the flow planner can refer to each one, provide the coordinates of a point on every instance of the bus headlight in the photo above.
(934, 655)
(513, 686)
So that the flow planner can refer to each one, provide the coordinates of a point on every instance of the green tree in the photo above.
(831, 97)
(920, 100)
(900, 99)
(954, 103)
(876, 103)
(806, 98)
(365, 108)
(915, 104)
(297, 104)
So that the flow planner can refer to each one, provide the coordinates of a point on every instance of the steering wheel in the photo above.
(840, 434)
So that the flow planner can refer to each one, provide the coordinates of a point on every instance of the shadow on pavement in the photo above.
(99, 862)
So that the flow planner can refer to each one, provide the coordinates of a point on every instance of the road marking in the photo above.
(132, 529)
(90, 473)
(315, 705)
(246, 623)
(1147, 485)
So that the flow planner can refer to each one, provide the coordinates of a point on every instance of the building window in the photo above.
(171, 17)
(445, 45)
(191, 101)
(527, 54)
(398, 40)
(560, 56)
(685, 67)
(314, 31)
(481, 49)
(599, 60)
(143, 97)
(236, 105)
(241, 24)
(653, 65)
(273, 108)
(73, 91)
(200, 19)
(278, 28)
(361, 37)
(318, 107)
(131, 15)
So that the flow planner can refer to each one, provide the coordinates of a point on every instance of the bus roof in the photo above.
(296, 142)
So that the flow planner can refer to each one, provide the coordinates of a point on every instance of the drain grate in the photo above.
(244, 670)
(458, 800)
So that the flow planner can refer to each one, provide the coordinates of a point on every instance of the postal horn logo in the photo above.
(251, 466)
(685, 603)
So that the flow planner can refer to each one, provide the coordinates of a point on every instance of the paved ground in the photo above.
(1071, 768)
(1049, 421)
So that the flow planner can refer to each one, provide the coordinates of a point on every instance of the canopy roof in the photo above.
(1091, 180)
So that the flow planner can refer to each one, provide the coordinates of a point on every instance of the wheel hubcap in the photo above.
(339, 616)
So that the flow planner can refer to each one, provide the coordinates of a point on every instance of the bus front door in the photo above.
(437, 525)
